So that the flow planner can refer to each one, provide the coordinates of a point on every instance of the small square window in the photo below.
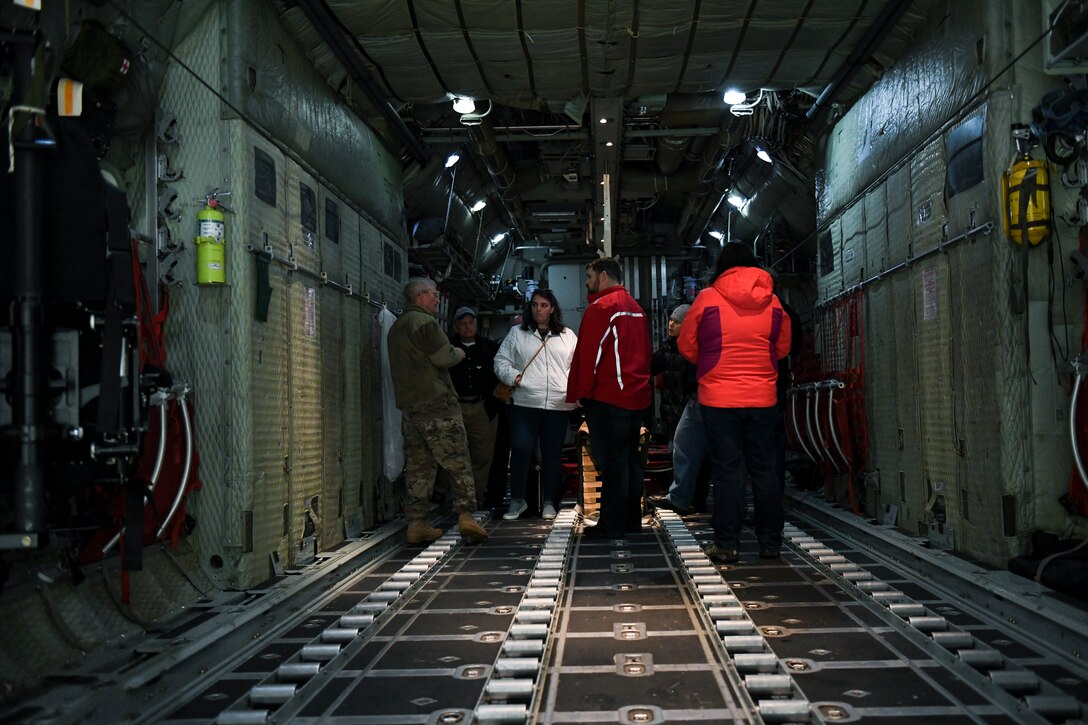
(827, 254)
(332, 221)
(307, 207)
(264, 177)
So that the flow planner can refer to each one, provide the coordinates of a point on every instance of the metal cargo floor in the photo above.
(543, 624)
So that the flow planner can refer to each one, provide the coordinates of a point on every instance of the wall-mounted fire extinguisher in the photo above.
(1026, 191)
(211, 241)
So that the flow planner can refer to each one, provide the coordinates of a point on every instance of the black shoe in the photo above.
(663, 502)
(769, 552)
(722, 555)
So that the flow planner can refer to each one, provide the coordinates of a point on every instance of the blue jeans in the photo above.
(613, 438)
(743, 441)
(526, 426)
(688, 451)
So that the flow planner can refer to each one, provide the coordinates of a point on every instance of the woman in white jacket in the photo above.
(535, 359)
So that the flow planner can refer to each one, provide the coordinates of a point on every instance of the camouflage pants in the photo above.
(434, 436)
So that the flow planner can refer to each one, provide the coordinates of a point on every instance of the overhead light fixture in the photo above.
(604, 120)
(464, 104)
(498, 237)
(452, 160)
(716, 234)
(762, 154)
(736, 200)
(733, 97)
(608, 143)
(479, 205)
(745, 107)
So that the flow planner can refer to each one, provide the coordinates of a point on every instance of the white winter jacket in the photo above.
(544, 383)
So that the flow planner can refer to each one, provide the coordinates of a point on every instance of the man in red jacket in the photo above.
(610, 378)
(735, 333)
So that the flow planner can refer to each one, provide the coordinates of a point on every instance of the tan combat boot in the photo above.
(471, 531)
(420, 533)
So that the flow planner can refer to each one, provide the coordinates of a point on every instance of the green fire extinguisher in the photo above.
(211, 241)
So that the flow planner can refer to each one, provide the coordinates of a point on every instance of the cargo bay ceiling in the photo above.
(569, 94)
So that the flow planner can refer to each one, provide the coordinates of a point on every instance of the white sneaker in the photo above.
(548, 512)
(517, 508)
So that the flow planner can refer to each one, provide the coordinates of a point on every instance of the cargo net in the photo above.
(825, 408)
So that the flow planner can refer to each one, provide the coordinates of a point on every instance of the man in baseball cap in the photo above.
(474, 380)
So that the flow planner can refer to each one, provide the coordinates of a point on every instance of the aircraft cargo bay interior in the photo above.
(544, 361)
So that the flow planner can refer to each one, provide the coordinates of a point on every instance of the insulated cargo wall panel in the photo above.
(877, 254)
(928, 214)
(852, 233)
(970, 205)
(199, 330)
(353, 313)
(940, 439)
(909, 486)
(881, 389)
(331, 312)
(899, 216)
(830, 283)
(974, 347)
(1012, 380)
(265, 477)
(305, 470)
(379, 500)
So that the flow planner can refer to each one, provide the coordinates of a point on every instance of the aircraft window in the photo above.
(392, 262)
(307, 207)
(264, 176)
(963, 149)
(332, 221)
(827, 255)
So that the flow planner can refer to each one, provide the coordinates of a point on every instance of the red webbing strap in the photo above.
(152, 346)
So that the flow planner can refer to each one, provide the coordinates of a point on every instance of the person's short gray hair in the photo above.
(415, 286)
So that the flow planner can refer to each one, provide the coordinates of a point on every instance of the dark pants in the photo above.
(744, 441)
(500, 461)
(527, 425)
(613, 438)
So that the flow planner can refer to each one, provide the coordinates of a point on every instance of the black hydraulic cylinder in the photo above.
(26, 315)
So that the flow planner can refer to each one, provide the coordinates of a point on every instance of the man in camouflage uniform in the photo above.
(420, 356)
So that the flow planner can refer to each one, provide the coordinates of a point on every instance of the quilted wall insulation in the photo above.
(960, 434)
(287, 427)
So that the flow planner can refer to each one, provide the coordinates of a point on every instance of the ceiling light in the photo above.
(733, 97)
(604, 120)
(498, 237)
(736, 200)
(746, 107)
(716, 234)
(463, 104)
(452, 159)
(479, 205)
(608, 143)
(762, 154)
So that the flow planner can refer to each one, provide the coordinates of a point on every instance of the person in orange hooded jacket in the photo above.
(735, 333)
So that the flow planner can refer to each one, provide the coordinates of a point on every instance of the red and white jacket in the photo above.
(735, 333)
(612, 360)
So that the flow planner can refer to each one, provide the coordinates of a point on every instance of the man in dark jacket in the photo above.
(610, 378)
(474, 379)
(688, 439)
